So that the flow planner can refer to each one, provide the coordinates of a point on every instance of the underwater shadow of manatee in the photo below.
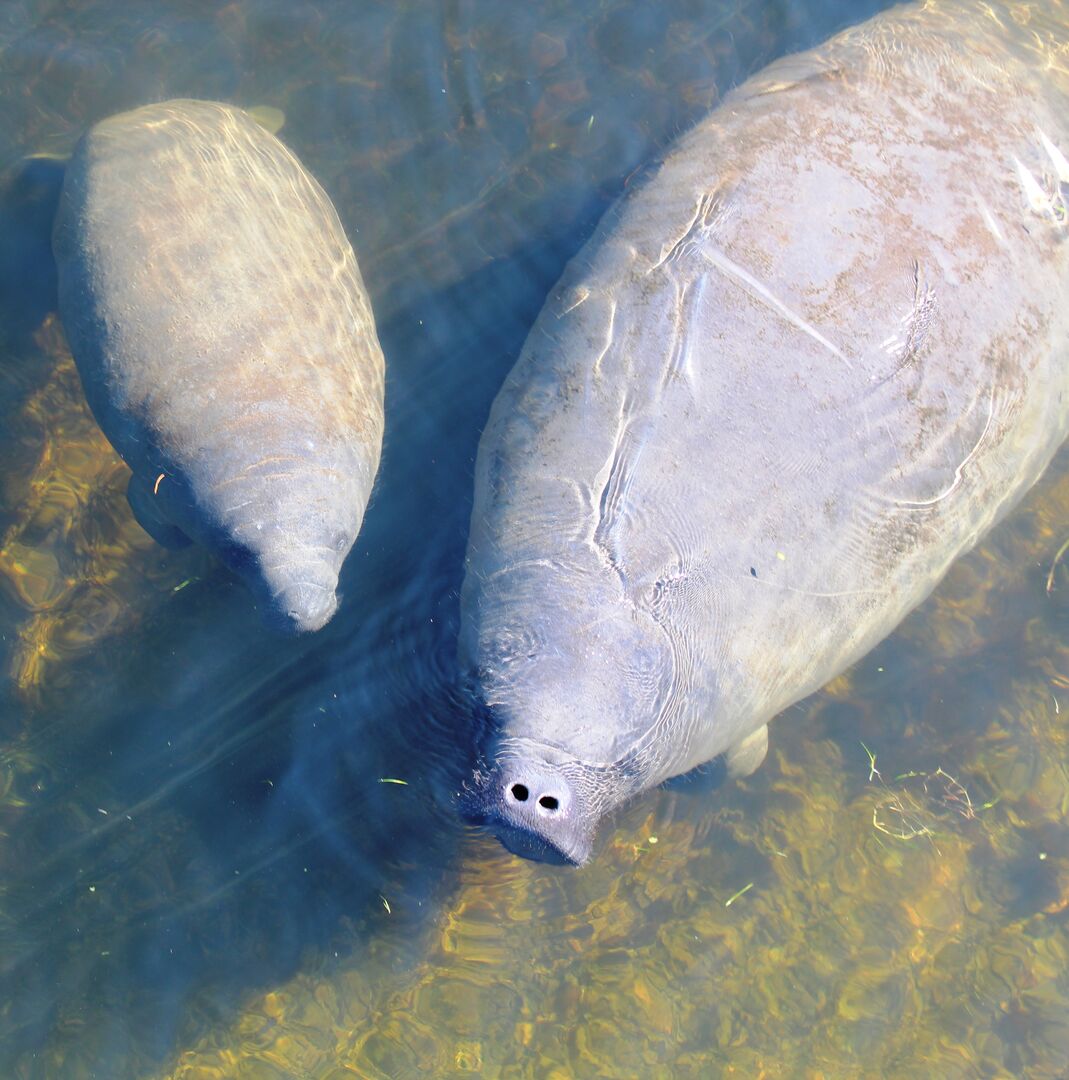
(29, 195)
(217, 799)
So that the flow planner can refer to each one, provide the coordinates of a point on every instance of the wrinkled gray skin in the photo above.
(787, 382)
(226, 344)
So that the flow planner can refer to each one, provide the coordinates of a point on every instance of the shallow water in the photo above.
(208, 864)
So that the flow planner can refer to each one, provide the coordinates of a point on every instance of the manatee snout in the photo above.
(306, 598)
(300, 593)
(534, 807)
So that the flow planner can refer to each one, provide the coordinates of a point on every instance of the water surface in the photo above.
(209, 863)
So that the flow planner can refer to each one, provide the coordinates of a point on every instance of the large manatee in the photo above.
(225, 342)
(788, 381)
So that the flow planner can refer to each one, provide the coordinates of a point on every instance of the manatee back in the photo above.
(790, 379)
(225, 340)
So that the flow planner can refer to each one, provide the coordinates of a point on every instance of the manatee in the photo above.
(226, 344)
(792, 376)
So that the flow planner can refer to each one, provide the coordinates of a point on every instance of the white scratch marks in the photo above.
(709, 215)
(608, 339)
(906, 346)
(989, 219)
(1051, 203)
(761, 292)
(1033, 192)
(1061, 166)
(581, 294)
(922, 504)
(688, 304)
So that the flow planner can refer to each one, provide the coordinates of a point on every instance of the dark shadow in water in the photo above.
(215, 800)
(29, 194)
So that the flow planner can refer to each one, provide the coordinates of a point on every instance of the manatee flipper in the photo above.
(268, 117)
(745, 757)
(147, 511)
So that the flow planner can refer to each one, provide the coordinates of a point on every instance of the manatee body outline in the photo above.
(226, 344)
(787, 382)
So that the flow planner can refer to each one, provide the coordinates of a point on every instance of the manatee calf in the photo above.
(788, 381)
(225, 342)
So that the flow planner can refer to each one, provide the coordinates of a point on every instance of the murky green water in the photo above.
(202, 870)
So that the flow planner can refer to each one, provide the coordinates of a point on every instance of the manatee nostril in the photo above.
(536, 810)
(521, 793)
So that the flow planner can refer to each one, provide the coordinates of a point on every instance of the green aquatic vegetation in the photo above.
(735, 896)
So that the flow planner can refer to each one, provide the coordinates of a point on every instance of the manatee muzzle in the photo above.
(299, 592)
(535, 808)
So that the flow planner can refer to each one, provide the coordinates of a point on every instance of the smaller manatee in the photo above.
(226, 344)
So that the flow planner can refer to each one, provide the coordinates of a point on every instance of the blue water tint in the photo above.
(197, 807)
